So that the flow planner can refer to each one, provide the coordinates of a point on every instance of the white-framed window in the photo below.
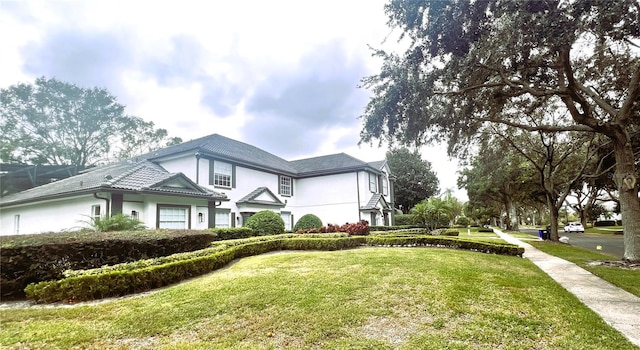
(385, 186)
(222, 174)
(373, 185)
(16, 224)
(95, 212)
(173, 217)
(222, 218)
(286, 186)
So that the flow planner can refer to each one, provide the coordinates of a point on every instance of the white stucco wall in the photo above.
(333, 198)
(50, 216)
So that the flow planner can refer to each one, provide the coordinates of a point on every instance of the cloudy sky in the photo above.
(281, 75)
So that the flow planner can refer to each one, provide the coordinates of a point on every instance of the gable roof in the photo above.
(126, 176)
(373, 202)
(330, 164)
(218, 146)
(255, 198)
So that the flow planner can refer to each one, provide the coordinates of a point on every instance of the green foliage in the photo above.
(233, 232)
(118, 222)
(403, 219)
(136, 277)
(485, 229)
(307, 221)
(431, 213)
(57, 123)
(415, 180)
(266, 222)
(463, 221)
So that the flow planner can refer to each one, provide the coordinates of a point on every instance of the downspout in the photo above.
(392, 197)
(358, 189)
(198, 168)
(95, 195)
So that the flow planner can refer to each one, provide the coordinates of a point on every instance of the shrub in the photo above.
(307, 222)
(402, 219)
(485, 229)
(118, 222)
(266, 222)
(463, 221)
(605, 223)
(233, 232)
(359, 229)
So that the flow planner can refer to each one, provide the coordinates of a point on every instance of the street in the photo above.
(610, 244)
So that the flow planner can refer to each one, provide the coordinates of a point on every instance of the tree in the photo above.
(470, 63)
(57, 123)
(415, 181)
(430, 213)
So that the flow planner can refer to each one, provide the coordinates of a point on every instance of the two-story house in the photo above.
(212, 181)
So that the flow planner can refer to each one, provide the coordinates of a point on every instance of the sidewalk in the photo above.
(617, 307)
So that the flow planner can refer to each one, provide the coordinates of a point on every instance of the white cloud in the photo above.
(262, 72)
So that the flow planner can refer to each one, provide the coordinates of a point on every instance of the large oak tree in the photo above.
(470, 63)
(57, 123)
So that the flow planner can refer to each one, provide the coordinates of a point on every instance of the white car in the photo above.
(574, 227)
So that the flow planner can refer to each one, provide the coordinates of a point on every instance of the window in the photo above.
(373, 186)
(173, 217)
(385, 186)
(95, 212)
(16, 224)
(222, 174)
(285, 186)
(222, 218)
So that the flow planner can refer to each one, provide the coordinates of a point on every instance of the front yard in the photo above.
(368, 298)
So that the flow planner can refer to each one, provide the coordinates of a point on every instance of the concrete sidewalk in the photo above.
(617, 307)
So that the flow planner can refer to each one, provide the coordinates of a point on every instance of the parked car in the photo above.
(574, 227)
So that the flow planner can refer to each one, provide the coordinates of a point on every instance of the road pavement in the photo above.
(609, 244)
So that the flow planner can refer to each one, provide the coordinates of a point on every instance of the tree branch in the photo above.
(545, 128)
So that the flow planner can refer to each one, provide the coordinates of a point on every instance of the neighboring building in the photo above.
(19, 177)
(212, 181)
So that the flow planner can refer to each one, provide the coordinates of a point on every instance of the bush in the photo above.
(118, 222)
(307, 222)
(605, 223)
(266, 222)
(402, 219)
(463, 221)
(233, 232)
(485, 229)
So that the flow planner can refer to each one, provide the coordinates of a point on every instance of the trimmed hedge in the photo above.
(485, 229)
(98, 284)
(394, 228)
(266, 222)
(233, 232)
(307, 222)
(403, 219)
(35, 258)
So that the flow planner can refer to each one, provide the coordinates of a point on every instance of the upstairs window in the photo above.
(285, 187)
(373, 185)
(385, 186)
(222, 174)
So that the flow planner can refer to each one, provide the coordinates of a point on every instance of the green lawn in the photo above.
(608, 230)
(626, 279)
(370, 298)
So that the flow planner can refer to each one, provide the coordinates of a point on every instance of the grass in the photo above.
(626, 279)
(607, 230)
(370, 298)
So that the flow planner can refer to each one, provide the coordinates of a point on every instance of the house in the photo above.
(213, 181)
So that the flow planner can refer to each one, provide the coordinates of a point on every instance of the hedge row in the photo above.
(122, 282)
(30, 259)
(393, 228)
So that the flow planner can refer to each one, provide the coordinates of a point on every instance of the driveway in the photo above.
(609, 244)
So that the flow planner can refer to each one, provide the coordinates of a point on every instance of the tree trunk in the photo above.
(627, 184)
(553, 219)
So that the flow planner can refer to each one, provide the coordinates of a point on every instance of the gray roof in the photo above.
(126, 176)
(218, 146)
(251, 198)
(330, 164)
(373, 202)
(379, 165)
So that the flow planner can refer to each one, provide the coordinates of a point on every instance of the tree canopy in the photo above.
(470, 64)
(414, 178)
(57, 123)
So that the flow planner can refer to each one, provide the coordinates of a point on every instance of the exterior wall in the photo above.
(184, 163)
(333, 198)
(50, 216)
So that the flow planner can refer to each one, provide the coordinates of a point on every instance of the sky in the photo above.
(280, 75)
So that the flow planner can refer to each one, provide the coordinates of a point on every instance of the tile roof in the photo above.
(328, 164)
(223, 147)
(373, 202)
(141, 176)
